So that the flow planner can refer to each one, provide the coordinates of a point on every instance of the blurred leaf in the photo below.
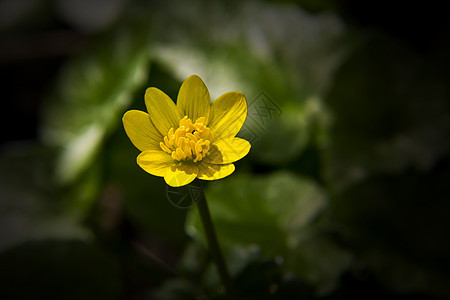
(243, 48)
(251, 52)
(387, 104)
(91, 95)
(52, 189)
(58, 270)
(274, 213)
(285, 137)
(246, 210)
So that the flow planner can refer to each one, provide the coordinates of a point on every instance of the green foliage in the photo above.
(91, 94)
(276, 214)
(250, 209)
(386, 145)
(343, 195)
(387, 104)
(286, 137)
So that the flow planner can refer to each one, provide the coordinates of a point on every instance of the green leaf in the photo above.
(274, 213)
(248, 210)
(387, 103)
(281, 139)
(257, 61)
(91, 95)
(256, 58)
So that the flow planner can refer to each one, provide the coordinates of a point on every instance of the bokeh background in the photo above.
(344, 195)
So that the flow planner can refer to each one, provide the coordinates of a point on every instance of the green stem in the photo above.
(214, 245)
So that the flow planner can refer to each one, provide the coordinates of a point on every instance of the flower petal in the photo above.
(155, 162)
(212, 172)
(181, 174)
(141, 130)
(163, 112)
(193, 99)
(227, 115)
(227, 151)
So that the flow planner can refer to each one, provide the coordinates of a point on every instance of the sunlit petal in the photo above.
(227, 115)
(141, 130)
(181, 174)
(155, 162)
(163, 112)
(193, 99)
(227, 151)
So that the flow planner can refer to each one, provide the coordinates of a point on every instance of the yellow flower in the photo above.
(192, 139)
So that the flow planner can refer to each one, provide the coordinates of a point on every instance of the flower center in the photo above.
(191, 141)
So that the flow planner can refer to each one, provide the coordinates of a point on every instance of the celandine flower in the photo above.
(192, 139)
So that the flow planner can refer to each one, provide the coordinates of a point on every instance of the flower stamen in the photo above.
(191, 141)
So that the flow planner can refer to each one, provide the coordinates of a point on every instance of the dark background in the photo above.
(345, 194)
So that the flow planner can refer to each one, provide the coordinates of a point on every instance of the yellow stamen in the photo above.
(191, 136)
(190, 141)
(164, 147)
(181, 155)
